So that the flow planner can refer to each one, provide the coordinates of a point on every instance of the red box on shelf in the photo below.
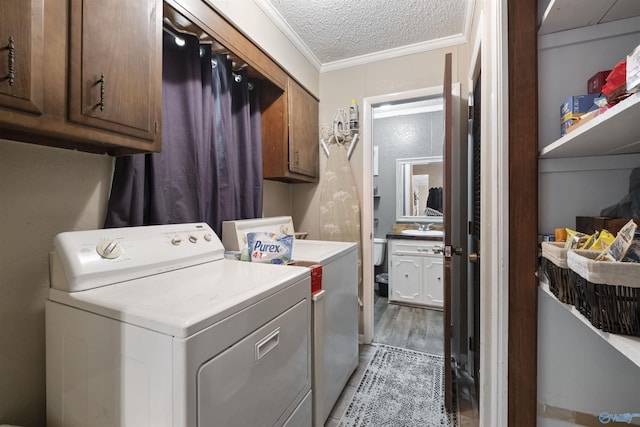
(595, 83)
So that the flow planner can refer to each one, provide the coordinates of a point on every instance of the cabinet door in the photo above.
(432, 268)
(405, 282)
(114, 75)
(303, 131)
(21, 54)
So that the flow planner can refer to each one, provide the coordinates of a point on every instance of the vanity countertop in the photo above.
(400, 236)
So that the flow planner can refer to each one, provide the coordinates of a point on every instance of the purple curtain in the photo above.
(210, 167)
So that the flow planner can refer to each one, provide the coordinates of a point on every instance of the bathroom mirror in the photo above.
(419, 189)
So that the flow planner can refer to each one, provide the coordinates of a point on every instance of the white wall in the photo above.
(43, 191)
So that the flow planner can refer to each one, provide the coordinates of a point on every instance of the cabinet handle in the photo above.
(11, 47)
(101, 103)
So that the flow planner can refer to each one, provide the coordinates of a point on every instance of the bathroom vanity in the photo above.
(416, 269)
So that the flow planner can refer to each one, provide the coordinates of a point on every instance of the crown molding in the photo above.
(395, 53)
(289, 33)
(275, 16)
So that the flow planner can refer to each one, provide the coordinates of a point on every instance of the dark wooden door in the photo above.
(114, 76)
(447, 202)
(21, 43)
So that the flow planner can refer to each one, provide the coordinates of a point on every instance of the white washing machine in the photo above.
(150, 326)
(335, 310)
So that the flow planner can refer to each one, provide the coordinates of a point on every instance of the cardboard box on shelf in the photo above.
(595, 83)
(570, 116)
(578, 104)
(583, 119)
(574, 108)
(565, 127)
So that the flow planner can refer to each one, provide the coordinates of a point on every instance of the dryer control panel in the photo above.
(88, 259)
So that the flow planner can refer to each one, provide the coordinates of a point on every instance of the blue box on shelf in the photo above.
(578, 104)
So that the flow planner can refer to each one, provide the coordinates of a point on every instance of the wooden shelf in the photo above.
(627, 345)
(617, 131)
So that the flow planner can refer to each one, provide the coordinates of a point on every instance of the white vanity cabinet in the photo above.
(415, 272)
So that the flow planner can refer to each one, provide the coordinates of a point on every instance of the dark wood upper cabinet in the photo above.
(112, 74)
(57, 96)
(290, 144)
(303, 131)
(97, 86)
(21, 44)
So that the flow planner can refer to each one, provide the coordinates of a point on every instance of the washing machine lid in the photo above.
(321, 251)
(185, 301)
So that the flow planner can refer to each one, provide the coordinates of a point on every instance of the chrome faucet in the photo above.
(423, 227)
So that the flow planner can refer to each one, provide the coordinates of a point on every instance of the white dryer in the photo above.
(150, 326)
(335, 310)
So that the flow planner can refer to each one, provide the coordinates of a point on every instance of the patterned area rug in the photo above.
(401, 388)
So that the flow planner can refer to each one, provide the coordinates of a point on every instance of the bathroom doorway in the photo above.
(407, 142)
(404, 325)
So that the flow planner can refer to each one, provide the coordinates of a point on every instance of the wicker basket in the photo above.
(560, 278)
(608, 292)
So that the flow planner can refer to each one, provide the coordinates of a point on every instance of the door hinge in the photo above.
(471, 346)
(470, 228)
(470, 112)
(157, 128)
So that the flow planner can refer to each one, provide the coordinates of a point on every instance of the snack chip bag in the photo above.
(617, 250)
(269, 247)
(577, 240)
(605, 238)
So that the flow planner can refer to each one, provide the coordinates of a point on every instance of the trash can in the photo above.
(382, 280)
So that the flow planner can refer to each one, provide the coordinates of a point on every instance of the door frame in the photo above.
(521, 53)
(367, 189)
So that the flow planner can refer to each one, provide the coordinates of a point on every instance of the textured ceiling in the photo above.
(335, 30)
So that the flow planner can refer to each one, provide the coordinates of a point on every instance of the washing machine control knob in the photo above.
(109, 249)
(193, 238)
(207, 237)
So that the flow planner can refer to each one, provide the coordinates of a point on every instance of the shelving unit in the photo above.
(561, 15)
(616, 131)
(627, 345)
(579, 174)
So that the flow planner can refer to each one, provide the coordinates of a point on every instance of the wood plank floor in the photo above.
(416, 329)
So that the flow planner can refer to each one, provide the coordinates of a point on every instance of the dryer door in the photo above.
(259, 380)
